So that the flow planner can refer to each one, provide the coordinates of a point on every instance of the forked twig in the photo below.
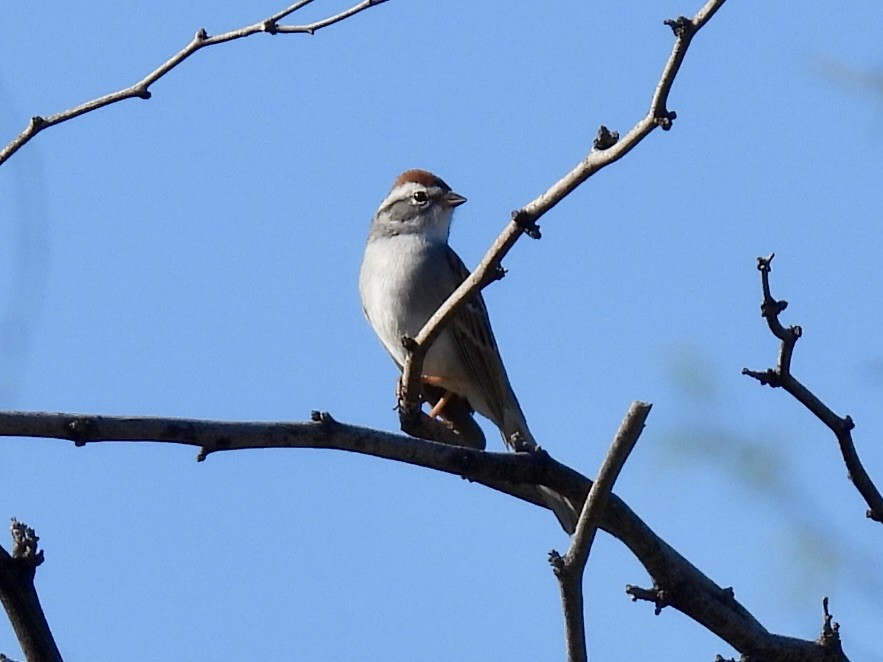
(569, 569)
(201, 40)
(781, 377)
(684, 586)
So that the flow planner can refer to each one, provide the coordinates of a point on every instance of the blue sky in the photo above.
(197, 255)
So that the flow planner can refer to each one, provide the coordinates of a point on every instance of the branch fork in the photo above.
(569, 568)
(505, 472)
(200, 40)
(607, 148)
(781, 377)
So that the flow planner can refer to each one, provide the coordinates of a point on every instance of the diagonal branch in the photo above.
(19, 596)
(569, 569)
(781, 376)
(200, 40)
(606, 150)
(683, 586)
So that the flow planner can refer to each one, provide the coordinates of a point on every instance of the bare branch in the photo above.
(200, 40)
(830, 637)
(685, 587)
(655, 595)
(19, 597)
(781, 376)
(569, 569)
(524, 221)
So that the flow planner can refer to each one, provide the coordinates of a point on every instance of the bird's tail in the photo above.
(561, 506)
(517, 436)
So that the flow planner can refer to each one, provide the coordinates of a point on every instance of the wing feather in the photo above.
(477, 346)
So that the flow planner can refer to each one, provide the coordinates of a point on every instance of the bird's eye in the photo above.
(420, 197)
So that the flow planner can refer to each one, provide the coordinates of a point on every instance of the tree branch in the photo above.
(685, 587)
(605, 150)
(781, 376)
(200, 40)
(569, 569)
(19, 596)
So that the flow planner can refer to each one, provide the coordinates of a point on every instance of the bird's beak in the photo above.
(451, 200)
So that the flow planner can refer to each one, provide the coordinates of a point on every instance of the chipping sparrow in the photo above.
(407, 272)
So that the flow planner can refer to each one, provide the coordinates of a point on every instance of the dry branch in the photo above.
(781, 377)
(570, 568)
(605, 150)
(686, 588)
(201, 40)
(19, 596)
(676, 582)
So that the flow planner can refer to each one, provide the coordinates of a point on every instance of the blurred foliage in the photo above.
(753, 456)
(862, 81)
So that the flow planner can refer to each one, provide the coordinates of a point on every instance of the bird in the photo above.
(408, 271)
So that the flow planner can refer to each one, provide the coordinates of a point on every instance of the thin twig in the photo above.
(201, 40)
(686, 588)
(569, 569)
(781, 376)
(830, 636)
(19, 596)
(524, 221)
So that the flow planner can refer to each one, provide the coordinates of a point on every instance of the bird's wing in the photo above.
(477, 347)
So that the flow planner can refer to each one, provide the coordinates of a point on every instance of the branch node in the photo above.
(557, 562)
(410, 344)
(665, 118)
(527, 223)
(24, 545)
(270, 27)
(764, 264)
(681, 26)
(830, 637)
(323, 418)
(767, 377)
(81, 429)
(200, 36)
(605, 138)
(37, 123)
(771, 308)
(655, 595)
(143, 93)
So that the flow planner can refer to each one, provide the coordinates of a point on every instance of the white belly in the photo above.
(400, 292)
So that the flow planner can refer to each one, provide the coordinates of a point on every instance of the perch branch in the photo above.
(19, 596)
(781, 377)
(686, 588)
(200, 40)
(606, 150)
(569, 569)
